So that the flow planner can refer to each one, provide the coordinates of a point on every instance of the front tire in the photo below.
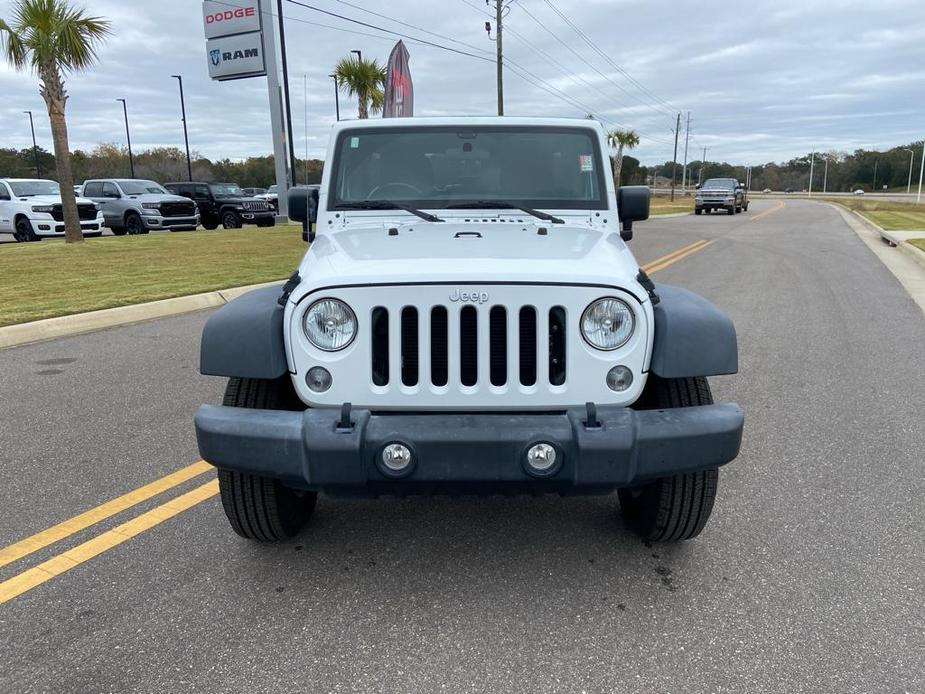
(231, 220)
(669, 509)
(260, 508)
(24, 231)
(698, 211)
(134, 225)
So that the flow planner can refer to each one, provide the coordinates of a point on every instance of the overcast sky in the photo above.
(762, 80)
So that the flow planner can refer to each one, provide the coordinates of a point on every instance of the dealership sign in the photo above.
(234, 57)
(234, 39)
(230, 17)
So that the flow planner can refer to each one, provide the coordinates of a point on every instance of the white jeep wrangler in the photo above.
(468, 319)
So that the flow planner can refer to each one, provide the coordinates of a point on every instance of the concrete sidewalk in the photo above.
(79, 323)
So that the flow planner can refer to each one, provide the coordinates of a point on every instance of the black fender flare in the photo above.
(692, 336)
(244, 338)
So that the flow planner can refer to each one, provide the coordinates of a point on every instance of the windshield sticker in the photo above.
(587, 163)
(354, 142)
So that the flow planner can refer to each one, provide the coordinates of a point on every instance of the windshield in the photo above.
(141, 187)
(443, 167)
(25, 189)
(226, 190)
(719, 183)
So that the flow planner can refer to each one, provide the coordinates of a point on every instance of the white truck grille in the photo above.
(514, 347)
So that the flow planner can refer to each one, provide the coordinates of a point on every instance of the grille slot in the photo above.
(439, 341)
(409, 346)
(557, 346)
(379, 328)
(497, 346)
(468, 346)
(528, 346)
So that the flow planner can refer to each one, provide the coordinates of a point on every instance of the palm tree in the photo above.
(54, 39)
(621, 139)
(364, 79)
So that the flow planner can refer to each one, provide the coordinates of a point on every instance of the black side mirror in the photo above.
(303, 207)
(632, 206)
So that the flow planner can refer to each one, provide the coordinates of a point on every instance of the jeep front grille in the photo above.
(461, 339)
(255, 206)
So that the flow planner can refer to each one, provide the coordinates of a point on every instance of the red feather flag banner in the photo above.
(399, 92)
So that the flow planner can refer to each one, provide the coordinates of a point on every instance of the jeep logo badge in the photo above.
(474, 297)
(215, 56)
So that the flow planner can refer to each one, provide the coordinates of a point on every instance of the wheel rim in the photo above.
(23, 230)
(133, 226)
(230, 221)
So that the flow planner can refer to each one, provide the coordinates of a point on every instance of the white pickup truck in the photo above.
(30, 209)
(469, 319)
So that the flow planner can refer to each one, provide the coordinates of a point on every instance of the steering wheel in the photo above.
(399, 184)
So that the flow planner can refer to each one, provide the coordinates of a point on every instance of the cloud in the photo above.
(766, 81)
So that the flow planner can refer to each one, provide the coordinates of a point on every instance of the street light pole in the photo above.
(825, 175)
(911, 161)
(874, 187)
(359, 55)
(128, 137)
(282, 52)
(189, 163)
(921, 171)
(812, 161)
(336, 95)
(35, 147)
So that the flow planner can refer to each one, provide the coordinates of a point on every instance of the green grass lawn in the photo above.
(664, 205)
(891, 215)
(49, 278)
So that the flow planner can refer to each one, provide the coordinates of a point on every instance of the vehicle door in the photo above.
(203, 197)
(111, 202)
(6, 208)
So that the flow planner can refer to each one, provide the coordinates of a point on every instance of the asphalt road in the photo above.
(809, 578)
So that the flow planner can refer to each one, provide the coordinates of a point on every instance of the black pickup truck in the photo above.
(225, 204)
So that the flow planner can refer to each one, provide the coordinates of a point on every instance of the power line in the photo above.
(606, 57)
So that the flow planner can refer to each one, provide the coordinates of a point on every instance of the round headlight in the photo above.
(329, 324)
(607, 323)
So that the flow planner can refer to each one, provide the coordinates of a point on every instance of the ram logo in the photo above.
(215, 56)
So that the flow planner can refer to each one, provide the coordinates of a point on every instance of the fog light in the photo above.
(318, 379)
(541, 458)
(619, 378)
(396, 457)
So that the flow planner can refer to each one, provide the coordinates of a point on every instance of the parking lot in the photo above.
(808, 578)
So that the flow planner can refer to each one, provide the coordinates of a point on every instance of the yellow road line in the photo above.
(671, 258)
(72, 525)
(771, 210)
(57, 565)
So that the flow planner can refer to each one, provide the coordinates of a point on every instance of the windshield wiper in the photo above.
(387, 205)
(505, 204)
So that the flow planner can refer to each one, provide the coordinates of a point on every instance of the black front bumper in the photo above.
(461, 451)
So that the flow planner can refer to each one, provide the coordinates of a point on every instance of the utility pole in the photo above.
(128, 137)
(825, 175)
(812, 160)
(282, 52)
(305, 125)
(499, 64)
(189, 163)
(874, 188)
(35, 147)
(703, 162)
(687, 134)
(674, 163)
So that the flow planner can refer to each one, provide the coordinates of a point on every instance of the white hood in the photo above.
(455, 250)
(51, 200)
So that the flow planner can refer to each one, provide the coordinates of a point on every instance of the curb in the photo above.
(889, 237)
(80, 323)
(653, 217)
(917, 254)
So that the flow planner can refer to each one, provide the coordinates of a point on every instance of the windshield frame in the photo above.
(603, 202)
(121, 182)
(214, 188)
(13, 184)
(730, 183)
